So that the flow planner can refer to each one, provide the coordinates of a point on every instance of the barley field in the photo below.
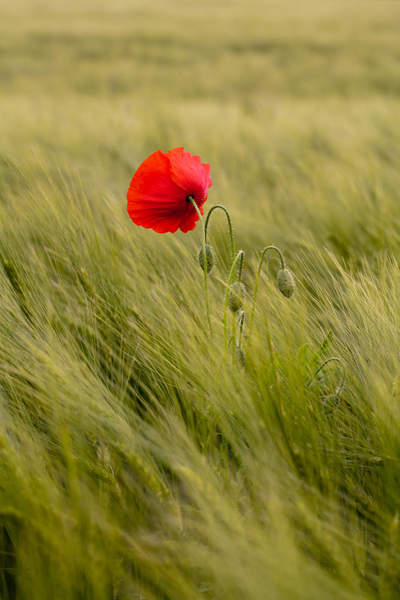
(139, 458)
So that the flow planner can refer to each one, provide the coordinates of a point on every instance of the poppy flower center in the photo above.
(189, 198)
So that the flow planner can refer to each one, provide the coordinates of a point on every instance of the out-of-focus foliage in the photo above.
(135, 460)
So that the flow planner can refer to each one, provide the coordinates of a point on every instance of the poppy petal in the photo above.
(153, 178)
(189, 173)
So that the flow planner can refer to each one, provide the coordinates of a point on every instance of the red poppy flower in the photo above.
(159, 190)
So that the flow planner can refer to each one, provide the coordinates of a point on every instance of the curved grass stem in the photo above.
(340, 386)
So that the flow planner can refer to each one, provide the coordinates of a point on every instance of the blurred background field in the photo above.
(138, 462)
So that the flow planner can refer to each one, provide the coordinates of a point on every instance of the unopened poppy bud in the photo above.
(236, 294)
(210, 258)
(286, 282)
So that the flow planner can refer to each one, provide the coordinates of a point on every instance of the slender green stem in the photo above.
(340, 387)
(240, 268)
(238, 278)
(238, 258)
(241, 323)
(257, 283)
(233, 346)
(204, 255)
(228, 218)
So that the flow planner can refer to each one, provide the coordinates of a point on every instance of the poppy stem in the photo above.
(228, 218)
(204, 254)
(257, 283)
(239, 258)
(241, 323)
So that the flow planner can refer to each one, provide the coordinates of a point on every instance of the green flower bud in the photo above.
(236, 294)
(210, 258)
(286, 282)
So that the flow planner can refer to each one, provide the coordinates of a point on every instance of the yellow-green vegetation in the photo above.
(137, 459)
